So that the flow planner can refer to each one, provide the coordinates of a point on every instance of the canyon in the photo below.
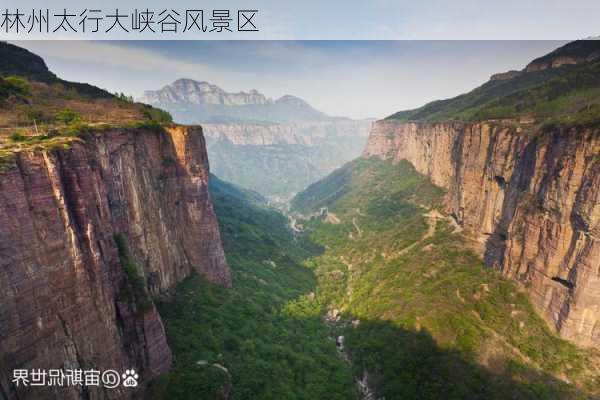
(113, 255)
(532, 201)
(275, 147)
(528, 191)
(279, 160)
(88, 236)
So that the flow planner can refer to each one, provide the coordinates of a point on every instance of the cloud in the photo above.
(349, 78)
(112, 55)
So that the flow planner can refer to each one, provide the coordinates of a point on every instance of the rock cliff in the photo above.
(299, 133)
(278, 160)
(578, 52)
(532, 197)
(88, 234)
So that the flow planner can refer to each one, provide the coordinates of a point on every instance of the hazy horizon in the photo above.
(357, 79)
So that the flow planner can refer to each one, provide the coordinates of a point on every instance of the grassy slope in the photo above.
(48, 115)
(266, 330)
(41, 111)
(24, 100)
(566, 95)
(434, 322)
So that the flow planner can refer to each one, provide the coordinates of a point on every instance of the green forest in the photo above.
(421, 316)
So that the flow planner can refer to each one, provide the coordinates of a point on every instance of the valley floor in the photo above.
(376, 295)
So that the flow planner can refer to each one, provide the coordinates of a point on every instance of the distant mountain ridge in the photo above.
(561, 87)
(577, 52)
(275, 147)
(191, 101)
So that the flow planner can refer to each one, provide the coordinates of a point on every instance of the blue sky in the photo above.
(350, 78)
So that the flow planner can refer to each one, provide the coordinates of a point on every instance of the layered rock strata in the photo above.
(88, 234)
(532, 197)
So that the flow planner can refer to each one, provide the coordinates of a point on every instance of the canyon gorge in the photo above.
(531, 201)
(528, 192)
(231, 246)
(89, 234)
(275, 147)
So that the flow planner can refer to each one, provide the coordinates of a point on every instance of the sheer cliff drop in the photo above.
(72, 296)
(526, 185)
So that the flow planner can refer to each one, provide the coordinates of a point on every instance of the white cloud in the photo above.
(113, 56)
(356, 79)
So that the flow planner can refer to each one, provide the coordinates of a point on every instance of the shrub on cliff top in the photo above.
(18, 137)
(13, 85)
(67, 116)
(157, 115)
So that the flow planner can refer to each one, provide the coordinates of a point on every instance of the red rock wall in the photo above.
(65, 298)
(532, 199)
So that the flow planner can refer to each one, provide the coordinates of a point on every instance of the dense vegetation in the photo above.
(12, 85)
(569, 95)
(420, 313)
(421, 316)
(266, 331)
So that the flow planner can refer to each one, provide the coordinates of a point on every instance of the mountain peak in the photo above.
(189, 91)
(187, 81)
(292, 101)
(193, 101)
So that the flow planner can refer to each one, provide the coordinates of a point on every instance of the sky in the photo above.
(355, 19)
(357, 79)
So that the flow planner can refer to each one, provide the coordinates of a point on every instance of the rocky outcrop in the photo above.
(531, 196)
(503, 76)
(577, 52)
(87, 235)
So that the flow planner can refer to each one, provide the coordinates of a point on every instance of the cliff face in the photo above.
(70, 299)
(302, 133)
(532, 198)
(578, 52)
(278, 160)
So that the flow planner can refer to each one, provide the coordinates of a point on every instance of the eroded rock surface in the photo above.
(532, 197)
(67, 301)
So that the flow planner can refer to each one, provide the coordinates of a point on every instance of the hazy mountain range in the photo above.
(191, 101)
(276, 147)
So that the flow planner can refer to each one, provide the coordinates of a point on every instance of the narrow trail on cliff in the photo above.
(432, 218)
